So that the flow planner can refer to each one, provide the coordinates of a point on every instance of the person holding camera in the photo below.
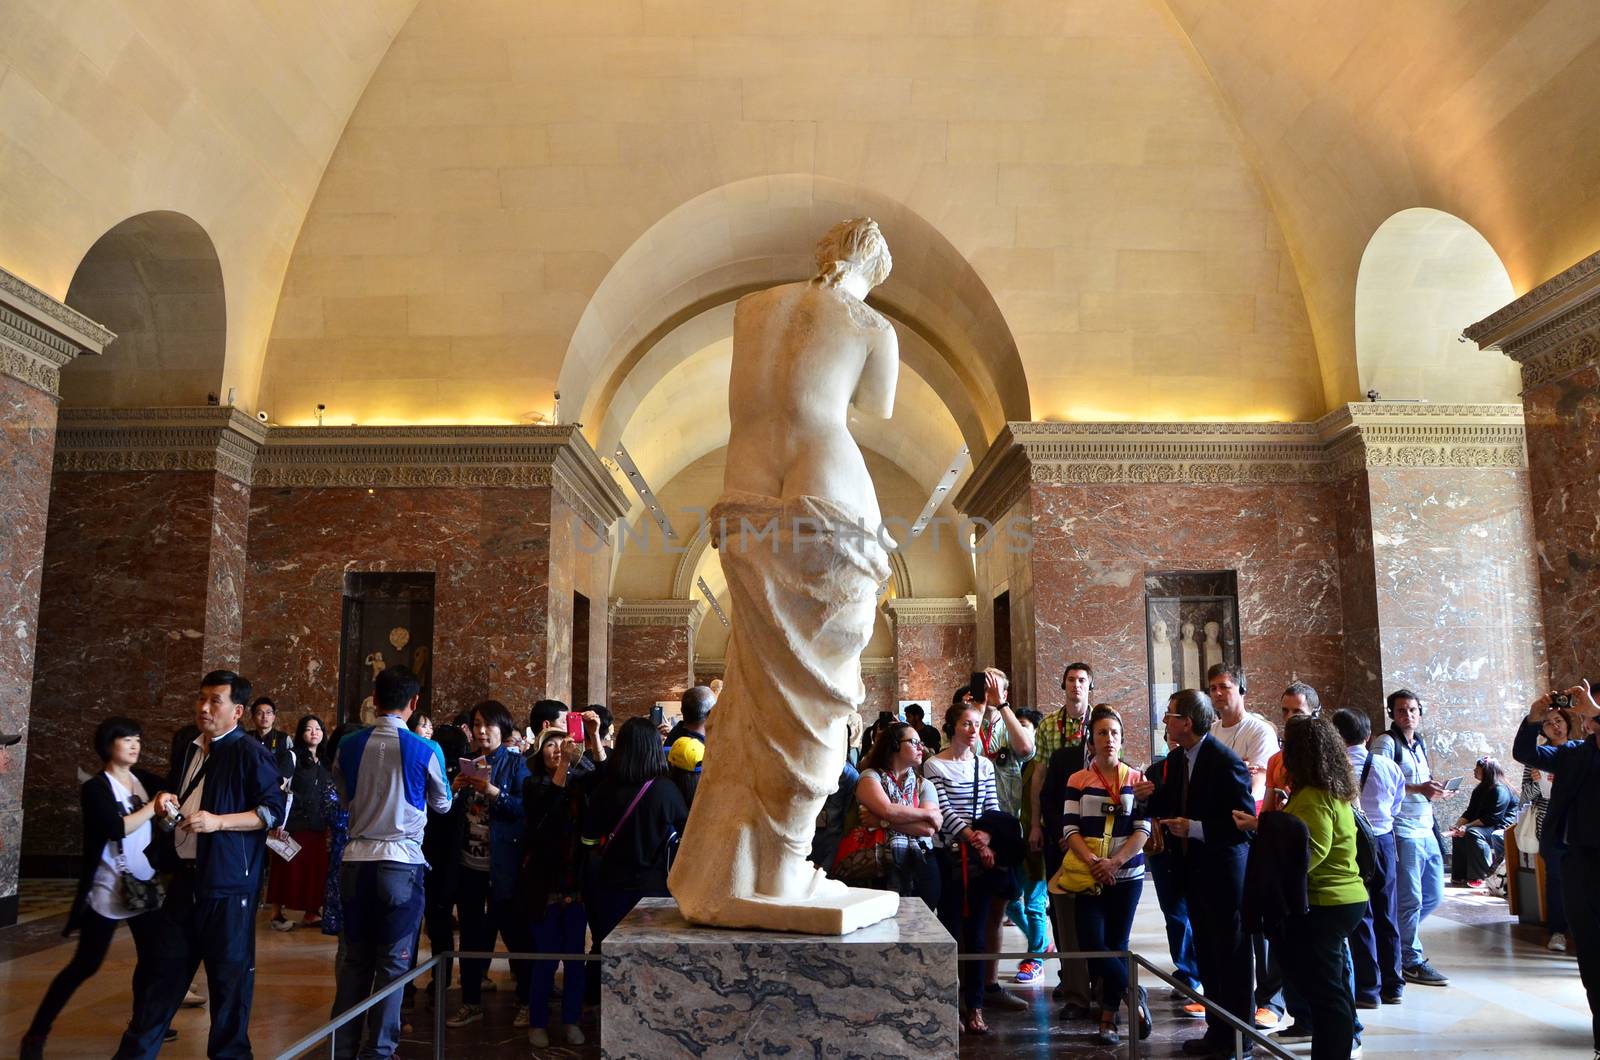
(1007, 741)
(230, 794)
(116, 881)
(549, 886)
(1571, 825)
(1561, 724)
(1421, 880)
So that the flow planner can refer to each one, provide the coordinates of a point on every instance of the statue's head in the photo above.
(854, 245)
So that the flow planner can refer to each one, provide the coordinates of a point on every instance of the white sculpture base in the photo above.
(830, 914)
(671, 989)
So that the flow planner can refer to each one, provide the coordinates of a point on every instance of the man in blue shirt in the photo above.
(389, 777)
(230, 793)
(1375, 943)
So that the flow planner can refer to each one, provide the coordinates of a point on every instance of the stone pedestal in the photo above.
(671, 989)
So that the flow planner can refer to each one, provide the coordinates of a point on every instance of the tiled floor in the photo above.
(1510, 997)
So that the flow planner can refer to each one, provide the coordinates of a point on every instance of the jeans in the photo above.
(1421, 889)
(1316, 962)
(1030, 910)
(1375, 943)
(1175, 911)
(95, 933)
(1269, 973)
(1104, 922)
(375, 949)
(561, 931)
(219, 932)
(482, 916)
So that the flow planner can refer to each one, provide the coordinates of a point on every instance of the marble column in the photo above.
(935, 647)
(652, 652)
(38, 335)
(1553, 332)
(881, 681)
(143, 587)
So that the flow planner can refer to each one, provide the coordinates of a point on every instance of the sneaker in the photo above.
(521, 1018)
(996, 996)
(1029, 970)
(1107, 1035)
(573, 1034)
(1557, 943)
(1194, 1011)
(282, 923)
(1474, 883)
(464, 1015)
(538, 1037)
(1366, 1002)
(1425, 975)
(1355, 1049)
(1296, 1032)
(1266, 1019)
(193, 1000)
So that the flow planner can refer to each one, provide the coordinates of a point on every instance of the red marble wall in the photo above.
(882, 694)
(1563, 425)
(138, 568)
(1457, 600)
(489, 550)
(27, 450)
(648, 663)
(1093, 546)
(932, 661)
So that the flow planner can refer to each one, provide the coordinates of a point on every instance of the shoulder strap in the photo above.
(629, 811)
(1366, 768)
(200, 775)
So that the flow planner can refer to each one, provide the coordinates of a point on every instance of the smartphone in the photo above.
(979, 687)
(658, 717)
(1453, 784)
(575, 725)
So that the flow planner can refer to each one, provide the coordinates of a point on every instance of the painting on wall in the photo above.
(1191, 625)
(388, 621)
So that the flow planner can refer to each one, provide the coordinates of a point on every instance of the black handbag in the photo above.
(138, 896)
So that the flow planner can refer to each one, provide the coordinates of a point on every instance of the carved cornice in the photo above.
(39, 334)
(680, 614)
(185, 438)
(933, 610)
(1358, 435)
(875, 666)
(1552, 330)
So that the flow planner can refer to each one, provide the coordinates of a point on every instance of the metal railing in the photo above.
(1242, 1031)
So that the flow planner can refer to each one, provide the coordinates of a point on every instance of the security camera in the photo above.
(262, 415)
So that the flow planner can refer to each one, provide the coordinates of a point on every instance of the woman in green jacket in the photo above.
(1324, 794)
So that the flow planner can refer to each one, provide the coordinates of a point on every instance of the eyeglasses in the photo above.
(913, 741)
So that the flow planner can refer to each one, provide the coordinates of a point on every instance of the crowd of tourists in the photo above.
(543, 836)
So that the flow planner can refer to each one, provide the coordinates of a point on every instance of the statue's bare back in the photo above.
(803, 354)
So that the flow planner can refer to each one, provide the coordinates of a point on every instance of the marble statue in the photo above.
(1213, 647)
(1192, 673)
(1160, 655)
(803, 575)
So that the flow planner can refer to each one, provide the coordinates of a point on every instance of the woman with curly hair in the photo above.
(1323, 800)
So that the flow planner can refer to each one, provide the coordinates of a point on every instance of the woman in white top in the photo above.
(964, 780)
(893, 797)
(118, 805)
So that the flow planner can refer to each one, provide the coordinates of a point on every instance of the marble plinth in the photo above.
(673, 989)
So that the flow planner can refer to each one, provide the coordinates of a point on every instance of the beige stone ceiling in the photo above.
(425, 202)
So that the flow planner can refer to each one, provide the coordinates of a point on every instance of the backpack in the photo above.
(1366, 841)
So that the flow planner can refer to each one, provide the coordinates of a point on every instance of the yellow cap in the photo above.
(686, 754)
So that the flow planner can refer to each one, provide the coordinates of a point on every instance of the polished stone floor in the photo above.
(1510, 997)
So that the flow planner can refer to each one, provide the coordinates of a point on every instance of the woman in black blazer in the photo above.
(118, 806)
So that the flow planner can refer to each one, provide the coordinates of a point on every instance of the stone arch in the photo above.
(1424, 276)
(757, 232)
(156, 281)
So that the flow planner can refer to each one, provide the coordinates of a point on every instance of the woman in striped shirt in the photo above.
(1099, 803)
(965, 782)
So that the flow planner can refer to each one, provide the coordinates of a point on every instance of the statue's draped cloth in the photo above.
(803, 575)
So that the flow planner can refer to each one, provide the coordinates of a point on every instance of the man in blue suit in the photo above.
(1201, 787)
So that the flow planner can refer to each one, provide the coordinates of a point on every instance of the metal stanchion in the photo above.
(1133, 1008)
(438, 1007)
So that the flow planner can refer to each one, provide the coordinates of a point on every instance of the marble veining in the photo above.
(671, 989)
(932, 661)
(648, 663)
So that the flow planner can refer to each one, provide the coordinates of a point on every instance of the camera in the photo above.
(1560, 701)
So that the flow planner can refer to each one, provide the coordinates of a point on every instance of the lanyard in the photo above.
(1113, 792)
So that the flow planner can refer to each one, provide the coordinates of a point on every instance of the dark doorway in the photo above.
(388, 620)
(1002, 633)
(580, 651)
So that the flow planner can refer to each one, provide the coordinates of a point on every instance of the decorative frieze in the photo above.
(1374, 434)
(681, 614)
(933, 610)
(40, 334)
(1551, 331)
(874, 666)
(184, 438)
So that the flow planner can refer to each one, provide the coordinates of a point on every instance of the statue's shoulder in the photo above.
(864, 316)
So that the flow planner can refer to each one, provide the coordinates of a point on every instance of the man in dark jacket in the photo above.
(1572, 828)
(1203, 784)
(229, 793)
